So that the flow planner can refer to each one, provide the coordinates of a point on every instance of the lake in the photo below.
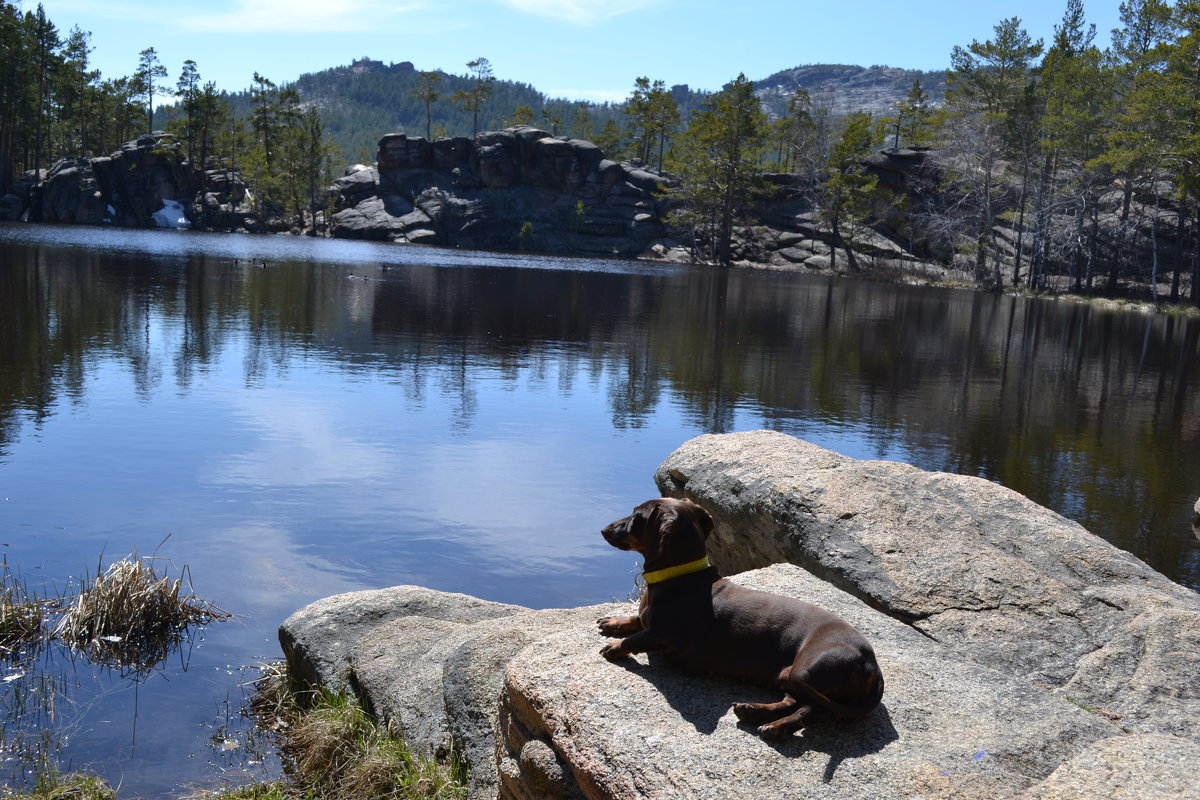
(292, 418)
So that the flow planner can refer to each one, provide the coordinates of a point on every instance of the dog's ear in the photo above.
(683, 512)
(704, 520)
(666, 516)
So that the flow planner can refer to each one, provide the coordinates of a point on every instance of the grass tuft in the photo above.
(333, 748)
(21, 617)
(72, 786)
(130, 617)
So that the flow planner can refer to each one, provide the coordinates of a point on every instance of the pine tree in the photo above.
(45, 41)
(1183, 87)
(848, 189)
(1141, 125)
(473, 99)
(987, 82)
(1077, 103)
(426, 91)
(146, 80)
(75, 85)
(912, 117)
(655, 113)
(718, 163)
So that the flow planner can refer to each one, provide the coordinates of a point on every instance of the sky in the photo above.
(576, 49)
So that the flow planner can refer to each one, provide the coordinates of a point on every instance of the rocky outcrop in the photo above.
(144, 178)
(969, 563)
(1023, 656)
(519, 188)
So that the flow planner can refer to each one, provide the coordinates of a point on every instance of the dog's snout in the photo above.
(617, 533)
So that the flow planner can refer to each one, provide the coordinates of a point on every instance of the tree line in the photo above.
(1047, 165)
(1056, 165)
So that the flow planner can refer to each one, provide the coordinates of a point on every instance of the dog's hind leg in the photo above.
(782, 728)
(758, 713)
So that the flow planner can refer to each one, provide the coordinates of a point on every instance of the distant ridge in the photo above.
(843, 88)
(362, 101)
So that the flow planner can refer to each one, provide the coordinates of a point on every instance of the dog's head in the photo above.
(663, 529)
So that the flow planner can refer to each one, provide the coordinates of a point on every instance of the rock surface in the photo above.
(973, 565)
(643, 729)
(989, 695)
(127, 188)
(514, 189)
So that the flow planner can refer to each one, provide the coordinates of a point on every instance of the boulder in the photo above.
(484, 192)
(524, 699)
(318, 639)
(126, 189)
(969, 563)
(71, 194)
(981, 605)
(947, 726)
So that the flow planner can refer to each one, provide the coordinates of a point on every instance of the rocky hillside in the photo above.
(843, 88)
(361, 101)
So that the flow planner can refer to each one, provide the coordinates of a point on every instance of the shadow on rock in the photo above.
(838, 739)
(703, 700)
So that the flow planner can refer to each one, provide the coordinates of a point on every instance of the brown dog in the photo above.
(704, 623)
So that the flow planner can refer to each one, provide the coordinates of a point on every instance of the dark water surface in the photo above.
(468, 421)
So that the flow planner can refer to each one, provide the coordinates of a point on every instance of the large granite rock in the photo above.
(518, 188)
(975, 599)
(130, 187)
(977, 567)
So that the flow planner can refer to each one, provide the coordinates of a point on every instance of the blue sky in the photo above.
(580, 49)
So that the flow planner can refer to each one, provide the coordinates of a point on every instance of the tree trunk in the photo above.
(1115, 268)
(1196, 262)
(1180, 246)
(1154, 248)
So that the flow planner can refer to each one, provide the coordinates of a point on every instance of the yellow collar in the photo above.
(660, 575)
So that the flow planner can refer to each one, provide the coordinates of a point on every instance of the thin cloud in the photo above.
(300, 16)
(580, 12)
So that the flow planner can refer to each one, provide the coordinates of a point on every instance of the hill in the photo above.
(843, 88)
(362, 101)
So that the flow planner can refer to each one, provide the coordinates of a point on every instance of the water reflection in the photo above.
(1091, 412)
(468, 421)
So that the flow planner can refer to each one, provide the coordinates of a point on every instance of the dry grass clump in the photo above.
(21, 617)
(334, 750)
(272, 790)
(73, 786)
(130, 617)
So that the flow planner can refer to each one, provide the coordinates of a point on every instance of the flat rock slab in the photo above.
(1023, 657)
(977, 567)
(573, 725)
(318, 639)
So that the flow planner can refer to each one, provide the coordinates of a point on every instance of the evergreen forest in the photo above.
(1045, 161)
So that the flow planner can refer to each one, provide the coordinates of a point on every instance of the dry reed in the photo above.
(22, 617)
(129, 617)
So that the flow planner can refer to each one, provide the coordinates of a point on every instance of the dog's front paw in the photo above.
(611, 626)
(613, 651)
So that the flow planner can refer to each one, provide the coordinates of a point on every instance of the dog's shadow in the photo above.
(703, 700)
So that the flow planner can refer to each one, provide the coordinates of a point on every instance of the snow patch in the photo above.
(170, 216)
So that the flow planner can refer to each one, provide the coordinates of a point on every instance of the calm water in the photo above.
(468, 421)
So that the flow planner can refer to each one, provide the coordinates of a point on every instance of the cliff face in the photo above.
(1023, 656)
(145, 178)
(519, 188)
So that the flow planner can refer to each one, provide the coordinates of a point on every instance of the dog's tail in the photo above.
(864, 703)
